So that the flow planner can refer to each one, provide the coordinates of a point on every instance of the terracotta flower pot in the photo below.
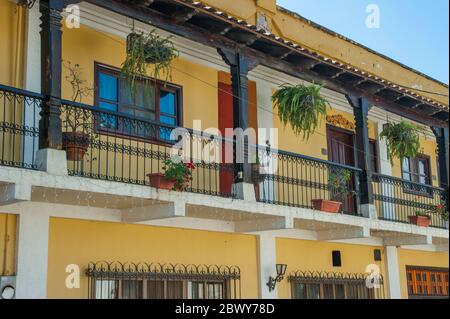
(421, 221)
(75, 144)
(158, 180)
(327, 206)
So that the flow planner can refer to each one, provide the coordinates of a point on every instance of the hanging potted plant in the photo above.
(145, 50)
(338, 184)
(402, 139)
(303, 107)
(177, 175)
(420, 219)
(79, 134)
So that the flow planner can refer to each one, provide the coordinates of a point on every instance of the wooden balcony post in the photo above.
(442, 141)
(239, 68)
(50, 136)
(361, 109)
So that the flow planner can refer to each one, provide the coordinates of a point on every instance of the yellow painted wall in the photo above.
(301, 255)
(288, 141)
(12, 30)
(8, 226)
(418, 258)
(86, 46)
(300, 30)
(80, 242)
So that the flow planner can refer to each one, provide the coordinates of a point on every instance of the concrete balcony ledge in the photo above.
(68, 196)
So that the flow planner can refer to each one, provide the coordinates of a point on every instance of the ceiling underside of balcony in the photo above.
(212, 27)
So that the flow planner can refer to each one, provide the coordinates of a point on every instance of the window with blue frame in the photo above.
(151, 101)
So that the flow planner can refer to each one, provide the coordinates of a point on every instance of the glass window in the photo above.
(340, 291)
(155, 289)
(215, 290)
(417, 170)
(149, 101)
(313, 291)
(196, 290)
(374, 156)
(299, 291)
(106, 289)
(174, 290)
(132, 289)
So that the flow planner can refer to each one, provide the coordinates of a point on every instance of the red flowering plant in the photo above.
(178, 171)
(442, 211)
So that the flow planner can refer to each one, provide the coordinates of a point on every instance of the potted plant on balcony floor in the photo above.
(148, 50)
(338, 184)
(177, 175)
(420, 219)
(77, 122)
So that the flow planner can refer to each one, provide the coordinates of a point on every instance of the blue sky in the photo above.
(414, 32)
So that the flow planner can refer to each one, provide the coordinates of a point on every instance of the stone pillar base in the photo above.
(368, 211)
(245, 191)
(52, 161)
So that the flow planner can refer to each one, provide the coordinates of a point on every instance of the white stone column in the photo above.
(267, 260)
(266, 133)
(388, 209)
(32, 255)
(393, 273)
(32, 78)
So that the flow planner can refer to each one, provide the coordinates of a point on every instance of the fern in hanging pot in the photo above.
(145, 50)
(303, 107)
(402, 139)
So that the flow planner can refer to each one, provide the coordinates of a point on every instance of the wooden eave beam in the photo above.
(149, 16)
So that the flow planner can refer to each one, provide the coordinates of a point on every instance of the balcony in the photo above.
(120, 148)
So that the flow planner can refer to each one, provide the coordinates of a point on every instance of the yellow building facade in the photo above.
(95, 227)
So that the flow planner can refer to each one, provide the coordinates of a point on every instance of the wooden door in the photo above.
(341, 151)
(226, 121)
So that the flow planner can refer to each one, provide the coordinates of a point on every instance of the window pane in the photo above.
(406, 168)
(215, 291)
(108, 106)
(108, 121)
(196, 290)
(313, 291)
(167, 102)
(131, 289)
(174, 290)
(105, 289)
(167, 120)
(155, 289)
(164, 131)
(108, 87)
(300, 291)
(328, 291)
(340, 291)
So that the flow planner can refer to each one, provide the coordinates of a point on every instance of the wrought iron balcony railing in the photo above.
(118, 147)
(19, 129)
(397, 200)
(296, 180)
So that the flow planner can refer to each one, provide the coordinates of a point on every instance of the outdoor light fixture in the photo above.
(8, 292)
(27, 3)
(281, 271)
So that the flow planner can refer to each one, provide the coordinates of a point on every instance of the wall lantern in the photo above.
(281, 271)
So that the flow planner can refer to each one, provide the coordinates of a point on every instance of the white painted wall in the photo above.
(393, 273)
(32, 78)
(267, 261)
(32, 255)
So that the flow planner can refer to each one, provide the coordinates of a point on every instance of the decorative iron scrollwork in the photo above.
(26, 3)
